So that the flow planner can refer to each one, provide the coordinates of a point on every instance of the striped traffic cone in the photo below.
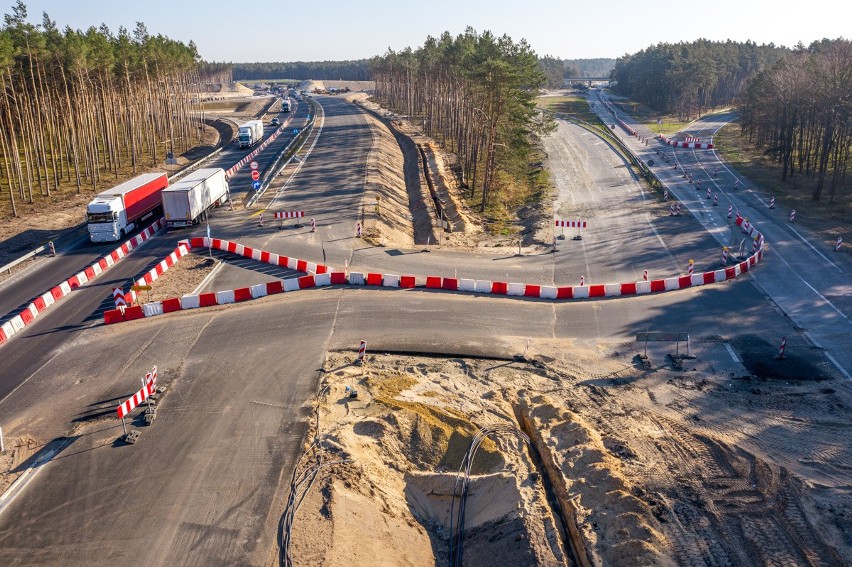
(716, 200)
(780, 355)
(793, 215)
(582, 281)
(645, 275)
(261, 219)
(362, 351)
(724, 255)
(772, 202)
(691, 268)
(731, 211)
(838, 244)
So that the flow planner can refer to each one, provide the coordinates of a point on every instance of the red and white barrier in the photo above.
(362, 351)
(247, 159)
(571, 224)
(289, 214)
(118, 297)
(133, 401)
(693, 143)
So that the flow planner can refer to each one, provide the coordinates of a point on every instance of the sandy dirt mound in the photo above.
(180, 279)
(219, 91)
(643, 467)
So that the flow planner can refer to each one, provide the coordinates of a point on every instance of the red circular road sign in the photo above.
(253, 165)
(255, 175)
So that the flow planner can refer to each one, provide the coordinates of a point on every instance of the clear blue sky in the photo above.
(287, 30)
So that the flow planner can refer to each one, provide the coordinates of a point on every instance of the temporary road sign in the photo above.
(295, 130)
(140, 287)
(253, 165)
(255, 185)
(255, 175)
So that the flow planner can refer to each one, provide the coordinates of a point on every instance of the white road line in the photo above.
(837, 364)
(821, 296)
(732, 353)
(209, 277)
(802, 238)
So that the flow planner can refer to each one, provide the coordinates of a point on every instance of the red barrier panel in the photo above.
(113, 316)
(39, 303)
(565, 292)
(3, 336)
(407, 281)
(56, 292)
(374, 279)
(274, 287)
(217, 243)
(598, 290)
(684, 282)
(196, 242)
(301, 266)
(73, 282)
(149, 279)
(282, 261)
(739, 221)
(264, 256)
(322, 269)
(247, 252)
(338, 278)
(242, 294)
(500, 288)
(709, 277)
(26, 316)
(90, 273)
(114, 256)
(207, 299)
(103, 264)
(658, 285)
(172, 304)
(125, 248)
(451, 284)
(743, 267)
(169, 261)
(628, 289)
(532, 291)
(433, 282)
(134, 312)
(306, 282)
(232, 247)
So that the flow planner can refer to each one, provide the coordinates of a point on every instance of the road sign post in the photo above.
(255, 175)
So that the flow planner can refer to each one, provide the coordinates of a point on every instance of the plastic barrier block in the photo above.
(548, 292)
(116, 255)
(48, 299)
(17, 323)
(311, 268)
(74, 281)
(752, 260)
(242, 294)
(451, 284)
(565, 292)
(322, 279)
(467, 284)
(407, 281)
(322, 269)
(580, 291)
(258, 290)
(730, 273)
(8, 329)
(612, 290)
(150, 277)
(113, 316)
(264, 256)
(162, 267)
(134, 312)
(390, 280)
(291, 284)
(515, 289)
(219, 244)
(306, 282)
(301, 266)
(109, 261)
(284, 261)
(103, 264)
(684, 282)
(482, 286)
(125, 248)
(225, 296)
(597, 290)
(374, 279)
(532, 290)
(26, 316)
(658, 285)
(96, 270)
(671, 283)
(153, 308)
(718, 276)
(90, 273)
(256, 254)
(197, 242)
(65, 287)
(698, 279)
(189, 302)
(743, 266)
(499, 288)
(273, 259)
(292, 263)
(356, 278)
(169, 261)
(629, 288)
(274, 287)
(39, 303)
(208, 299)
(247, 251)
(169, 305)
(239, 249)
(338, 278)
(433, 282)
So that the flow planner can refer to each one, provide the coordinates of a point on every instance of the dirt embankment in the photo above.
(631, 466)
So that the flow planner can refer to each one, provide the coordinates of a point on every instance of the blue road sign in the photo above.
(255, 185)
(309, 116)
(295, 130)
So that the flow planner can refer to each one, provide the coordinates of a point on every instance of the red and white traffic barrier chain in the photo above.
(247, 159)
(693, 143)
(17, 323)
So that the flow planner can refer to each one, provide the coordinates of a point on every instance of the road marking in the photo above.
(837, 364)
(28, 475)
(732, 353)
(821, 296)
(815, 250)
(209, 277)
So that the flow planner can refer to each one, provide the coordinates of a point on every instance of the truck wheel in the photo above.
(121, 234)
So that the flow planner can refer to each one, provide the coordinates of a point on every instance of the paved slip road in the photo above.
(204, 483)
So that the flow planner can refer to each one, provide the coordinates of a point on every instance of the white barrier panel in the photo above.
(109, 261)
(119, 252)
(17, 323)
(239, 250)
(255, 254)
(174, 256)
(273, 259)
(8, 329)
(153, 274)
(207, 242)
(482, 286)
(33, 310)
(81, 278)
(65, 287)
(291, 284)
(671, 283)
(548, 292)
(292, 263)
(612, 290)
(153, 308)
(311, 268)
(48, 299)
(96, 267)
(643, 287)
(580, 291)
(164, 266)
(189, 302)
(183, 243)
(223, 297)
(719, 275)
(515, 289)
(258, 290)
(356, 278)
(324, 279)
(390, 280)
(697, 279)
(467, 284)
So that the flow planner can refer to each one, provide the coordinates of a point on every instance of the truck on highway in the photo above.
(250, 133)
(114, 213)
(285, 105)
(186, 200)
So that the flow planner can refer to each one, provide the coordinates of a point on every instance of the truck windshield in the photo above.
(101, 217)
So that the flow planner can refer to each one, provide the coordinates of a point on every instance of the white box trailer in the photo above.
(186, 200)
(250, 133)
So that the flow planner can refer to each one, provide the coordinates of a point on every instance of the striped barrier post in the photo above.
(716, 200)
(358, 230)
(691, 268)
(645, 275)
(793, 215)
(118, 297)
(665, 194)
(677, 207)
(672, 210)
(731, 211)
(52, 248)
(737, 184)
(261, 220)
(745, 225)
(782, 348)
(838, 244)
(772, 202)
(582, 281)
(724, 255)
(362, 352)
(708, 194)
(313, 225)
(716, 172)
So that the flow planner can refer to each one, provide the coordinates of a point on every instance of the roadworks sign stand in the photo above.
(579, 224)
(149, 388)
(677, 358)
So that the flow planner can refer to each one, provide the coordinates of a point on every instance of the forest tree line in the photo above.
(475, 94)
(81, 107)
(798, 111)
(355, 70)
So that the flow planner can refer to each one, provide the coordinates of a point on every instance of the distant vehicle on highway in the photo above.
(250, 133)
(113, 213)
(275, 122)
(186, 200)
(285, 105)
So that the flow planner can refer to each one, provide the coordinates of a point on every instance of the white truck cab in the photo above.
(107, 220)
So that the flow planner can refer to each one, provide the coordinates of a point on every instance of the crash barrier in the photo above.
(248, 159)
(319, 275)
(690, 142)
(45, 300)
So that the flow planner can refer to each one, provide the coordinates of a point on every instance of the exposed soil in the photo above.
(16, 458)
(709, 466)
(182, 278)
